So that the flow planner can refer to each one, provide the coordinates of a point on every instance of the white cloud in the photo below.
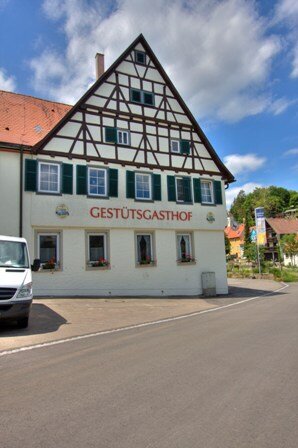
(291, 152)
(231, 193)
(238, 163)
(278, 106)
(287, 12)
(216, 52)
(7, 82)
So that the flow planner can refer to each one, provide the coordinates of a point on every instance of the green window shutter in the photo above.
(217, 192)
(197, 190)
(130, 184)
(81, 179)
(184, 147)
(113, 183)
(30, 175)
(111, 135)
(156, 187)
(171, 188)
(187, 189)
(67, 178)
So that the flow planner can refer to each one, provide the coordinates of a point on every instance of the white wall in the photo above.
(9, 193)
(124, 278)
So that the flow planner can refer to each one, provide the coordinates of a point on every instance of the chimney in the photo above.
(99, 64)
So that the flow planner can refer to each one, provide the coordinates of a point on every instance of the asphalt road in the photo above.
(224, 379)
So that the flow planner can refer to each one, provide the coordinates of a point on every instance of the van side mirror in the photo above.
(36, 265)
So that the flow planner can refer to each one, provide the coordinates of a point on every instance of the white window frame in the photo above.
(189, 235)
(150, 186)
(138, 262)
(206, 181)
(123, 131)
(105, 248)
(175, 141)
(57, 234)
(58, 191)
(176, 188)
(106, 181)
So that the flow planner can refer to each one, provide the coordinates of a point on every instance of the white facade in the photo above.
(117, 219)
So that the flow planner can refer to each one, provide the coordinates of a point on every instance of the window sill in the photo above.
(49, 193)
(51, 271)
(186, 263)
(146, 265)
(98, 268)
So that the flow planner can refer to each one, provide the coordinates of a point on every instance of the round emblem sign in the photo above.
(62, 211)
(210, 217)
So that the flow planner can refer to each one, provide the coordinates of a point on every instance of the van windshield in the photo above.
(13, 255)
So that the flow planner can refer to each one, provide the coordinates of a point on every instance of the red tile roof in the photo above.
(235, 232)
(283, 226)
(26, 120)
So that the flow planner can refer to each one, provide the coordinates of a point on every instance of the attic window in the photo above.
(140, 57)
(7, 128)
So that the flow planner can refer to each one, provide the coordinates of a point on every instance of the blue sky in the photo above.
(235, 62)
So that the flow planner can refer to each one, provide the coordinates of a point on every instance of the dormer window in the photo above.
(140, 57)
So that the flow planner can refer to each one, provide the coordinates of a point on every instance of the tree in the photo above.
(247, 242)
(227, 245)
(293, 199)
(238, 206)
(290, 246)
(275, 200)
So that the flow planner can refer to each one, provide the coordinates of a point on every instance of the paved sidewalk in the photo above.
(53, 319)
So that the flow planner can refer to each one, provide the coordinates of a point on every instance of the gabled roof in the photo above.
(140, 39)
(283, 226)
(25, 120)
(233, 233)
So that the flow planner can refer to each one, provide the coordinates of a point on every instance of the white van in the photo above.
(15, 280)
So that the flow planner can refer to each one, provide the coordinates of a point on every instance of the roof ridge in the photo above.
(35, 97)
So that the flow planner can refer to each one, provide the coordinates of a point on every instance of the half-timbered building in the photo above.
(124, 195)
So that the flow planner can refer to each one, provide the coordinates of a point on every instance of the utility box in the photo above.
(208, 284)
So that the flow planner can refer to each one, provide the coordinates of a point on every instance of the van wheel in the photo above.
(23, 323)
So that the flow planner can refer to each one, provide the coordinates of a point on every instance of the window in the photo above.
(13, 254)
(148, 98)
(144, 249)
(207, 192)
(143, 186)
(179, 189)
(180, 146)
(123, 137)
(49, 177)
(175, 146)
(140, 57)
(142, 97)
(183, 189)
(97, 181)
(114, 135)
(97, 250)
(184, 248)
(48, 250)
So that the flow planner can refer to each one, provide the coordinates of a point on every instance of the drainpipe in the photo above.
(21, 191)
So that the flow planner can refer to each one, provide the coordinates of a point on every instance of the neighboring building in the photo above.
(121, 194)
(275, 229)
(235, 233)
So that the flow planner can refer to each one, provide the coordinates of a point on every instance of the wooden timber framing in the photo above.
(164, 117)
